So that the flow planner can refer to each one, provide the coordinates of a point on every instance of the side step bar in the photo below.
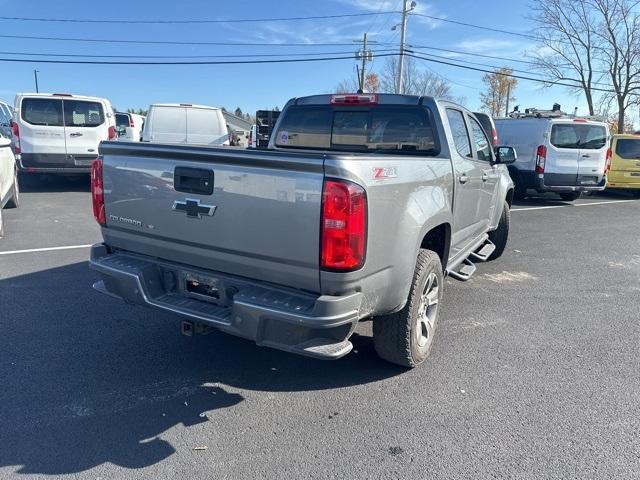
(464, 271)
(484, 252)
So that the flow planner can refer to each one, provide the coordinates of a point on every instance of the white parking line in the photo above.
(570, 205)
(47, 249)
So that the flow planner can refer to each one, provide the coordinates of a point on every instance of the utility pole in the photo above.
(403, 32)
(506, 110)
(366, 56)
(35, 75)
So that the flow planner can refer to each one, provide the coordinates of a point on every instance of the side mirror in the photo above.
(505, 155)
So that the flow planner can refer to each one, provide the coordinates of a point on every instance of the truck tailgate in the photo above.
(261, 218)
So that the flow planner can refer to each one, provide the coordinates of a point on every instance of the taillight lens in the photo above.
(15, 130)
(494, 132)
(541, 158)
(357, 99)
(344, 226)
(607, 162)
(112, 133)
(97, 192)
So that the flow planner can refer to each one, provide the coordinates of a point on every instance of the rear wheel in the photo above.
(570, 196)
(14, 195)
(405, 337)
(500, 235)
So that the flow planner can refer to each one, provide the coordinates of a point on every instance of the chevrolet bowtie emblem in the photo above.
(193, 208)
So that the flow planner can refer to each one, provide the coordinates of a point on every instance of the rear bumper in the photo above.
(552, 182)
(54, 163)
(621, 179)
(297, 322)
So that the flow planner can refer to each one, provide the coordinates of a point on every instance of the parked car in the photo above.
(184, 123)
(129, 126)
(59, 132)
(292, 246)
(625, 163)
(9, 190)
(564, 155)
(6, 116)
(489, 127)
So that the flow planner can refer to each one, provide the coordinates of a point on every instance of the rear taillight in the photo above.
(131, 124)
(97, 192)
(494, 133)
(112, 133)
(359, 99)
(607, 162)
(344, 226)
(15, 130)
(541, 158)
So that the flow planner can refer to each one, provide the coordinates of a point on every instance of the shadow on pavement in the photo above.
(89, 380)
(37, 182)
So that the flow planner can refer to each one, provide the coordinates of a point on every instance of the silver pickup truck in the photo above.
(357, 210)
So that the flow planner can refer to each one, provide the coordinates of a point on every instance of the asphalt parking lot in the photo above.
(535, 371)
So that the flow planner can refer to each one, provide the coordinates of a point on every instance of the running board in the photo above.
(484, 252)
(464, 271)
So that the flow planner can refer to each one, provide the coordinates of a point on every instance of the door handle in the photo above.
(485, 177)
(586, 156)
(463, 178)
(77, 134)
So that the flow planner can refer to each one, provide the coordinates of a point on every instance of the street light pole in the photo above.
(364, 61)
(35, 76)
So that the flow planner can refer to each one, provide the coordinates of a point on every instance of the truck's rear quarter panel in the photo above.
(265, 225)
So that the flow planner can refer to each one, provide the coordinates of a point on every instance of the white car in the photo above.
(6, 115)
(253, 139)
(9, 191)
(557, 153)
(60, 133)
(185, 124)
(129, 126)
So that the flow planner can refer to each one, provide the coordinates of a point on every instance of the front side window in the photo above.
(459, 132)
(80, 113)
(483, 148)
(42, 111)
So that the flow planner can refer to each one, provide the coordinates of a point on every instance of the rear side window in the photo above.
(42, 111)
(387, 129)
(122, 120)
(628, 148)
(80, 113)
(459, 132)
(574, 136)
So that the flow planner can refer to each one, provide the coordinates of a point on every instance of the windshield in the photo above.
(390, 129)
(628, 148)
(122, 120)
(583, 136)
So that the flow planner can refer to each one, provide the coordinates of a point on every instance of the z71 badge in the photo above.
(382, 173)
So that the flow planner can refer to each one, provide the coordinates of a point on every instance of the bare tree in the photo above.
(416, 81)
(569, 44)
(500, 89)
(618, 30)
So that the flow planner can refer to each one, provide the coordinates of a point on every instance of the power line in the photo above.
(521, 77)
(167, 42)
(481, 27)
(220, 62)
(203, 21)
(248, 55)
(469, 54)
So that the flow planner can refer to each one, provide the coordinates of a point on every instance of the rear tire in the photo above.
(570, 196)
(14, 196)
(405, 337)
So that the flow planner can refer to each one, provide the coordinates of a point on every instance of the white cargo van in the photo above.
(129, 126)
(59, 132)
(565, 155)
(185, 123)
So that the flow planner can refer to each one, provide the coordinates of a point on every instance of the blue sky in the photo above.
(253, 86)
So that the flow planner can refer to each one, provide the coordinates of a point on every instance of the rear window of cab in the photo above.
(385, 128)
(55, 112)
